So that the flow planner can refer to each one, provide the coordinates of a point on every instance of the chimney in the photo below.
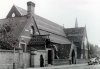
(30, 8)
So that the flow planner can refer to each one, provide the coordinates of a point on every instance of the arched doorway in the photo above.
(73, 57)
(41, 61)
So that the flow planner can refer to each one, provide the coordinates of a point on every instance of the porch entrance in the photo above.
(50, 56)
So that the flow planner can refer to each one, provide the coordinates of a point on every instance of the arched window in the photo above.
(13, 14)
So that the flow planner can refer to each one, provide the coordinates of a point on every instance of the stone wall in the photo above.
(35, 58)
(7, 58)
(64, 51)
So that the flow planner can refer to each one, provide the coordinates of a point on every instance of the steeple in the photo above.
(63, 26)
(76, 23)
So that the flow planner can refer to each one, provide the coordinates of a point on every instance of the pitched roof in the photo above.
(75, 38)
(79, 30)
(49, 27)
(17, 24)
(75, 34)
(44, 25)
(21, 10)
(41, 22)
(56, 38)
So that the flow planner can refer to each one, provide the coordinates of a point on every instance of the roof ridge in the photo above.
(48, 20)
(20, 10)
(74, 28)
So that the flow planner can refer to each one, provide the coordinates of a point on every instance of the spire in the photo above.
(76, 23)
(63, 26)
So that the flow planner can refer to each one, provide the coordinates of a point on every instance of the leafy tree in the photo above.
(7, 39)
(94, 50)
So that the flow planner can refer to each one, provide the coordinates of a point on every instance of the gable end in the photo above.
(15, 11)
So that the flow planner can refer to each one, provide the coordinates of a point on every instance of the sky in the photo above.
(64, 12)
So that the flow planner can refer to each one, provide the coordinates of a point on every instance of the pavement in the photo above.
(60, 66)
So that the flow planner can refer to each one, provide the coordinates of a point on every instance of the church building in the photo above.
(78, 36)
(37, 34)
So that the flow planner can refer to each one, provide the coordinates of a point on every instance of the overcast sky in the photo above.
(64, 12)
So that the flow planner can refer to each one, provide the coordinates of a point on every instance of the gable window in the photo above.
(13, 14)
